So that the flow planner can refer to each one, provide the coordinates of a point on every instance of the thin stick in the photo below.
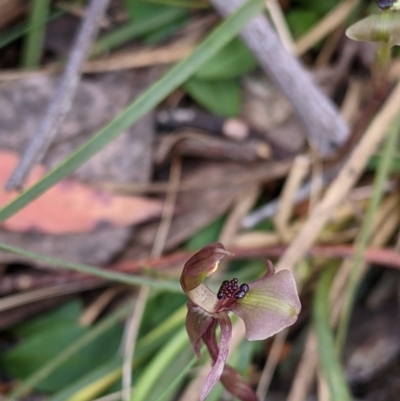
(325, 128)
(130, 335)
(325, 26)
(305, 371)
(61, 103)
(123, 60)
(281, 27)
(365, 232)
(287, 200)
(13, 301)
(308, 364)
(345, 180)
(133, 322)
(272, 362)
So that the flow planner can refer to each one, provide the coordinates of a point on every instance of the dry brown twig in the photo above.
(325, 128)
(133, 322)
(61, 103)
(325, 26)
(342, 184)
(384, 228)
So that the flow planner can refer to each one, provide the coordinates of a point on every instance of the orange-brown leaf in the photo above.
(71, 206)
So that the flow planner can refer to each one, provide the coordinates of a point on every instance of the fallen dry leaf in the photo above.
(70, 206)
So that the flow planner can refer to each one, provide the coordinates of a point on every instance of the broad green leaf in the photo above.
(375, 160)
(65, 354)
(92, 383)
(129, 30)
(27, 357)
(300, 21)
(318, 7)
(142, 105)
(205, 236)
(66, 314)
(234, 60)
(155, 315)
(219, 97)
(140, 11)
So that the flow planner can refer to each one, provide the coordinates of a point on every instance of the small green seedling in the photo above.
(383, 29)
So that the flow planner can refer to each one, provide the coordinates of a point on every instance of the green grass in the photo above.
(33, 45)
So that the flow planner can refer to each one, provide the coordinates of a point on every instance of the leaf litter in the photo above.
(209, 191)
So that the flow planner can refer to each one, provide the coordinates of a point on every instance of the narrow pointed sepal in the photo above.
(271, 304)
(197, 323)
(220, 359)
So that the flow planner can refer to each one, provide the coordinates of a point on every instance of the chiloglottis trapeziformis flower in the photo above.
(266, 306)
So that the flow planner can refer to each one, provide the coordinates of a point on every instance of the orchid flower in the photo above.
(266, 306)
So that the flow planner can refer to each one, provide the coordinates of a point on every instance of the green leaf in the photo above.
(44, 345)
(318, 7)
(375, 160)
(87, 386)
(129, 31)
(328, 356)
(142, 105)
(66, 314)
(140, 11)
(234, 60)
(205, 236)
(219, 97)
(168, 376)
(64, 355)
(300, 21)
(159, 363)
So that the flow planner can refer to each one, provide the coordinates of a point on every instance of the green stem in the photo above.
(328, 356)
(380, 66)
(129, 279)
(382, 173)
(37, 26)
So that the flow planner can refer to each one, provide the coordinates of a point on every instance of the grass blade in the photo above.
(142, 105)
(129, 279)
(130, 31)
(180, 376)
(160, 362)
(34, 40)
(328, 357)
(16, 32)
(44, 372)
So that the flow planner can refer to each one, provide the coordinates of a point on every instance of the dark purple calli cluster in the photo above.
(266, 306)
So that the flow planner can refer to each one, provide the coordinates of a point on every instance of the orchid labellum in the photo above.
(266, 306)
